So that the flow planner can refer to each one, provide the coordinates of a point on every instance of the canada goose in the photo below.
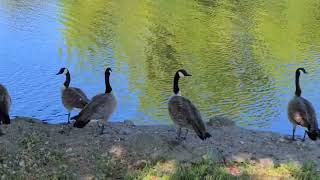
(183, 113)
(301, 112)
(71, 97)
(100, 107)
(5, 103)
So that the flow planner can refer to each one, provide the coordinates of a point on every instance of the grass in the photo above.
(209, 169)
(108, 167)
(43, 162)
(33, 162)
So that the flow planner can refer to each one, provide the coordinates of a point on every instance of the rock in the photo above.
(266, 162)
(140, 164)
(282, 139)
(118, 151)
(3, 177)
(300, 144)
(125, 131)
(220, 121)
(68, 150)
(214, 154)
(241, 142)
(145, 142)
(106, 154)
(22, 163)
(128, 123)
(241, 157)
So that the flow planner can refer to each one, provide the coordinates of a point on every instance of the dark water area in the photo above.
(242, 55)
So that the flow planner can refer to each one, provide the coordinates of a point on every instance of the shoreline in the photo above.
(26, 139)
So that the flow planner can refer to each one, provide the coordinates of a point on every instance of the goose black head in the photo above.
(183, 73)
(313, 135)
(108, 71)
(63, 71)
(301, 69)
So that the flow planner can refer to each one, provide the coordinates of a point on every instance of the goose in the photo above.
(302, 113)
(5, 103)
(183, 113)
(100, 108)
(71, 97)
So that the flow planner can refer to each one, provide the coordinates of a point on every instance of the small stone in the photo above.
(312, 142)
(282, 139)
(46, 143)
(220, 121)
(106, 154)
(128, 123)
(241, 142)
(140, 164)
(242, 157)
(68, 150)
(125, 131)
(299, 143)
(3, 177)
(22, 163)
(266, 162)
(214, 154)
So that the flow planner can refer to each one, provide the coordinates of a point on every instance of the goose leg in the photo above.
(98, 124)
(69, 117)
(102, 129)
(293, 132)
(179, 133)
(185, 136)
(304, 136)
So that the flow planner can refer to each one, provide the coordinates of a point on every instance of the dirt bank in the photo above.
(31, 148)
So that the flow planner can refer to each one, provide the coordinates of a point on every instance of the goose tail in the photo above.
(78, 123)
(204, 136)
(4, 117)
(313, 135)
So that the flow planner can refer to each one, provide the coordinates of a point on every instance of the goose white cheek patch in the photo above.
(181, 74)
(65, 71)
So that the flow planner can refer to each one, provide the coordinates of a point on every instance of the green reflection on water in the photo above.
(237, 51)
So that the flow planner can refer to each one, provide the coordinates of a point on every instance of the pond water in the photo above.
(242, 55)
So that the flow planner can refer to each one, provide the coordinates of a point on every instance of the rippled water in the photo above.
(242, 55)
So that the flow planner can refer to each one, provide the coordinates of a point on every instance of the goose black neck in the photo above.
(298, 89)
(107, 81)
(68, 79)
(176, 84)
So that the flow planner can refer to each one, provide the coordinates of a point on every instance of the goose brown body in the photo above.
(5, 104)
(72, 97)
(302, 113)
(183, 113)
(101, 107)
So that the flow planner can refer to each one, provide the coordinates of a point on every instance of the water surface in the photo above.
(242, 55)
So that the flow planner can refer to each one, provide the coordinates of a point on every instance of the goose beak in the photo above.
(188, 75)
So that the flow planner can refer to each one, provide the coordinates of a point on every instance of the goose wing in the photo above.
(74, 97)
(100, 107)
(5, 103)
(82, 94)
(312, 117)
(5, 99)
(181, 109)
(301, 112)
